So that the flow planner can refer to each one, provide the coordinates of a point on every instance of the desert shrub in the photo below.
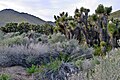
(4, 77)
(73, 49)
(86, 64)
(18, 39)
(57, 38)
(53, 69)
(66, 46)
(12, 41)
(49, 57)
(43, 38)
(40, 53)
(10, 35)
(52, 66)
(98, 49)
(23, 55)
(104, 68)
(31, 37)
(15, 34)
(108, 67)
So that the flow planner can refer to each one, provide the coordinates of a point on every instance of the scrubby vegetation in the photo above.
(4, 77)
(77, 48)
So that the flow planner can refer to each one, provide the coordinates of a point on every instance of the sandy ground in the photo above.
(16, 73)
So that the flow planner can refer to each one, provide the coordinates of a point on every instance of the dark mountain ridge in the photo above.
(10, 15)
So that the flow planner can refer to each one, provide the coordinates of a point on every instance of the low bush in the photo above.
(10, 35)
(23, 55)
(4, 77)
(109, 67)
(57, 37)
(12, 41)
(104, 68)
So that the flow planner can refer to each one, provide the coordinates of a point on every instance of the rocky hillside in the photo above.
(115, 14)
(10, 15)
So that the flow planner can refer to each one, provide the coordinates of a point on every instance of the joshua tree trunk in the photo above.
(112, 42)
(85, 35)
(86, 30)
(77, 34)
(105, 23)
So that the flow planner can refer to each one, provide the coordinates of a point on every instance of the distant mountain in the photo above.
(115, 14)
(10, 15)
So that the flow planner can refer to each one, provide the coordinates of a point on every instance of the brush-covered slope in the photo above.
(115, 14)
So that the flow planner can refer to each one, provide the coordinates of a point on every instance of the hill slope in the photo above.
(115, 14)
(9, 15)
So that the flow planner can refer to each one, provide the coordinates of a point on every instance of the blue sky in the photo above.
(46, 9)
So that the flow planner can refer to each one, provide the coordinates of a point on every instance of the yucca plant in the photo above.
(32, 69)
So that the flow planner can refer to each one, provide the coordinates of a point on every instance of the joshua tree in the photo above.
(10, 27)
(94, 30)
(114, 33)
(103, 13)
(81, 20)
(24, 27)
(86, 11)
(65, 24)
(61, 22)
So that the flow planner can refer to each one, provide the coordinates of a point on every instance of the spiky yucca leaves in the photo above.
(32, 69)
(112, 28)
(100, 9)
(58, 71)
(65, 24)
(108, 10)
